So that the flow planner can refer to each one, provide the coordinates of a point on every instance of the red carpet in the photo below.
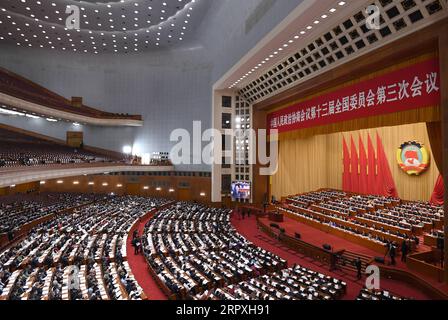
(319, 238)
(248, 228)
(140, 267)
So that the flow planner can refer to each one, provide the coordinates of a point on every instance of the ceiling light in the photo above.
(32, 116)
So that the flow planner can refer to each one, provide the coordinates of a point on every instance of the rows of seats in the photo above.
(17, 149)
(317, 197)
(338, 206)
(340, 199)
(350, 226)
(370, 294)
(437, 233)
(193, 250)
(18, 210)
(78, 255)
(379, 219)
(370, 202)
(412, 216)
(355, 205)
(296, 283)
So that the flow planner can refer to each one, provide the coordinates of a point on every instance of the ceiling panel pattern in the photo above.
(349, 38)
(116, 26)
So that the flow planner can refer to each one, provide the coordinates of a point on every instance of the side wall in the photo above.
(162, 86)
(186, 188)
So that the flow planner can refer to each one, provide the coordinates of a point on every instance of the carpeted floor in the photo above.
(248, 228)
(319, 238)
(139, 267)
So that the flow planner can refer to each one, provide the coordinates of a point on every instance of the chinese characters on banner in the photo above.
(416, 86)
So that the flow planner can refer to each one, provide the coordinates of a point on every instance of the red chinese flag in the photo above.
(371, 175)
(346, 182)
(354, 173)
(363, 183)
(438, 194)
(387, 184)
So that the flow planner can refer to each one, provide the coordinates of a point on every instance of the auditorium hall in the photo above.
(251, 153)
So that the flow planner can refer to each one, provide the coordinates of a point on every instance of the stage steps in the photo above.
(347, 259)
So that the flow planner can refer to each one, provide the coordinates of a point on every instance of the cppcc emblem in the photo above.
(413, 158)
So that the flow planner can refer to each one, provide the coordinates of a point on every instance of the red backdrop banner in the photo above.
(354, 169)
(371, 176)
(386, 183)
(437, 197)
(363, 184)
(412, 87)
(346, 181)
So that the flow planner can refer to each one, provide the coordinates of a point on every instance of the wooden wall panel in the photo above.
(315, 162)
(197, 185)
(133, 189)
(183, 194)
(23, 188)
(75, 138)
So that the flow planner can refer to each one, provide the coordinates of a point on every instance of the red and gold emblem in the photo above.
(413, 158)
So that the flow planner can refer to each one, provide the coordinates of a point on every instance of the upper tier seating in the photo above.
(17, 149)
(18, 210)
(19, 87)
(196, 253)
(79, 255)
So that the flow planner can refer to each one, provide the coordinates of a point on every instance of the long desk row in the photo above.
(364, 241)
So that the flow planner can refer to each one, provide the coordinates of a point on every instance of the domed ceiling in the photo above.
(112, 26)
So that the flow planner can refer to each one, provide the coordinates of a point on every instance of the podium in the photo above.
(275, 216)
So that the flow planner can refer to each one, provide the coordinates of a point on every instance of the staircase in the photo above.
(346, 262)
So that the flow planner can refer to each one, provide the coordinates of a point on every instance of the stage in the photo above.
(318, 238)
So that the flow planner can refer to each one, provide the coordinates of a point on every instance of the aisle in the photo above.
(139, 267)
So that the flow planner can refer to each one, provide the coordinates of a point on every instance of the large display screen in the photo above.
(240, 190)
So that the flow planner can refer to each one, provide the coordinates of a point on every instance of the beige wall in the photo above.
(316, 162)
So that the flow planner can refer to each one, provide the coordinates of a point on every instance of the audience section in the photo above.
(78, 255)
(195, 253)
(17, 150)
